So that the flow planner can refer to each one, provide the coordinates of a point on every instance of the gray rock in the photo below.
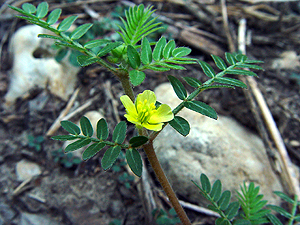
(222, 149)
(36, 219)
(26, 170)
(6, 213)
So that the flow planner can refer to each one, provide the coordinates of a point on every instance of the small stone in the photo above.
(295, 143)
(6, 213)
(36, 219)
(26, 170)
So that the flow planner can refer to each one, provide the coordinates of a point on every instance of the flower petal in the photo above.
(146, 95)
(163, 114)
(132, 119)
(129, 106)
(155, 127)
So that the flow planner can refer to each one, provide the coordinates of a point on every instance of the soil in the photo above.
(85, 194)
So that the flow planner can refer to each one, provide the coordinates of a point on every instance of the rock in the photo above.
(34, 66)
(94, 117)
(36, 219)
(26, 170)
(222, 149)
(6, 213)
(288, 60)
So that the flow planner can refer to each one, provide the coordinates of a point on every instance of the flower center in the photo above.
(145, 110)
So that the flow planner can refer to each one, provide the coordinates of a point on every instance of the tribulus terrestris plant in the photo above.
(127, 60)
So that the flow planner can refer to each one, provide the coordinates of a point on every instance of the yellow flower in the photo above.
(144, 112)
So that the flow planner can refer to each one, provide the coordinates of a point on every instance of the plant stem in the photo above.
(127, 87)
(163, 180)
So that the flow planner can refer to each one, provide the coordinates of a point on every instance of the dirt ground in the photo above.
(72, 192)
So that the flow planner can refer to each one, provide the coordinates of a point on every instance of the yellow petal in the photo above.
(163, 114)
(129, 106)
(132, 119)
(155, 127)
(146, 95)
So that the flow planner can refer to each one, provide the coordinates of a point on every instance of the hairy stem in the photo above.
(163, 180)
(127, 87)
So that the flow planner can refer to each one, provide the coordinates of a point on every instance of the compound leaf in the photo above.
(136, 77)
(53, 16)
(205, 183)
(180, 125)
(219, 62)
(134, 161)
(138, 141)
(102, 129)
(85, 60)
(77, 144)
(216, 190)
(230, 81)
(232, 210)
(168, 49)
(29, 8)
(133, 57)
(42, 10)
(66, 23)
(181, 51)
(110, 157)
(80, 31)
(96, 43)
(230, 58)
(224, 200)
(274, 220)
(207, 69)
(192, 81)
(146, 52)
(64, 137)
(158, 49)
(108, 48)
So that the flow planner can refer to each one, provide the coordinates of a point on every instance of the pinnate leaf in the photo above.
(77, 144)
(133, 57)
(274, 220)
(205, 183)
(42, 10)
(53, 16)
(108, 48)
(136, 77)
(119, 133)
(230, 81)
(168, 49)
(92, 150)
(102, 129)
(134, 161)
(241, 72)
(86, 126)
(219, 62)
(80, 31)
(180, 125)
(216, 190)
(230, 58)
(224, 200)
(96, 43)
(72, 128)
(138, 141)
(232, 210)
(85, 60)
(178, 87)
(201, 108)
(64, 137)
(192, 81)
(66, 23)
(110, 157)
(241, 57)
(284, 196)
(158, 49)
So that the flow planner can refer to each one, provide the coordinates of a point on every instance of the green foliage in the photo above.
(66, 160)
(219, 201)
(35, 142)
(180, 125)
(165, 218)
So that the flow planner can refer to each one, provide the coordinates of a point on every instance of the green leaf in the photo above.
(61, 54)
(192, 81)
(168, 49)
(180, 125)
(80, 31)
(96, 43)
(205, 183)
(72, 128)
(158, 49)
(232, 210)
(108, 48)
(146, 52)
(157, 68)
(66, 23)
(219, 62)
(216, 190)
(280, 210)
(92, 150)
(29, 8)
(85, 60)
(241, 57)
(77, 144)
(224, 200)
(250, 66)
(178, 87)
(133, 57)
(230, 81)
(284, 196)
(86, 127)
(207, 69)
(230, 58)
(138, 141)
(136, 77)
(181, 51)
(119, 132)
(242, 222)
(274, 220)
(253, 61)
(102, 129)
(53, 16)
(171, 66)
(50, 36)
(202, 108)
(110, 157)
(64, 137)
(222, 221)
(241, 72)
(134, 161)
(42, 10)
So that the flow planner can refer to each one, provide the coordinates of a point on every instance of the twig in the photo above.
(114, 103)
(290, 178)
(226, 27)
(63, 113)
